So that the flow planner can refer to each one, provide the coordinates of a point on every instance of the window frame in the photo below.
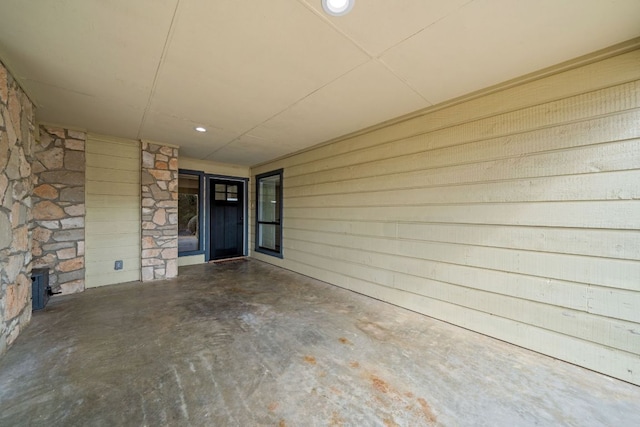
(201, 209)
(257, 247)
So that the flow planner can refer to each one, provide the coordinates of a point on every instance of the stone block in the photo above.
(74, 160)
(12, 307)
(148, 160)
(63, 177)
(146, 262)
(76, 134)
(72, 287)
(148, 242)
(70, 265)
(74, 144)
(67, 253)
(57, 246)
(47, 260)
(160, 217)
(167, 151)
(146, 179)
(45, 140)
(11, 133)
(36, 249)
(74, 222)
(12, 169)
(159, 194)
(173, 219)
(21, 239)
(57, 131)
(73, 194)
(17, 296)
(80, 245)
(51, 225)
(4, 91)
(69, 235)
(75, 210)
(147, 273)
(7, 197)
(150, 253)
(46, 191)
(173, 164)
(47, 210)
(20, 190)
(52, 159)
(161, 165)
(42, 234)
(172, 268)
(14, 107)
(167, 204)
(171, 253)
(25, 167)
(71, 276)
(18, 214)
(37, 167)
(147, 202)
(4, 189)
(6, 230)
(13, 267)
(159, 273)
(160, 174)
(162, 185)
(4, 149)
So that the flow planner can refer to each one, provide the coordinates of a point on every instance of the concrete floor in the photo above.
(246, 344)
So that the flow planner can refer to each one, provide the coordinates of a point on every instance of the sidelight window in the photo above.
(189, 213)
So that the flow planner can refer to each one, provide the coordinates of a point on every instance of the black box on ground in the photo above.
(40, 289)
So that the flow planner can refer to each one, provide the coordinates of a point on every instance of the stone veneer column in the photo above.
(159, 181)
(58, 207)
(16, 185)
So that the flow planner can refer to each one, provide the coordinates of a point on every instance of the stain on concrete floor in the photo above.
(248, 344)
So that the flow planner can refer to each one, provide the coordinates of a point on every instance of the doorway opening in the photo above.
(227, 219)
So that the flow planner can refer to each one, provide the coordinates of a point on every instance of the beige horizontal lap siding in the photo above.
(515, 214)
(113, 210)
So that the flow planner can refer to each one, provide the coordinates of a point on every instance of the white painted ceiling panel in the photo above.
(247, 61)
(200, 144)
(251, 148)
(273, 77)
(85, 112)
(366, 96)
(104, 49)
(492, 41)
(377, 25)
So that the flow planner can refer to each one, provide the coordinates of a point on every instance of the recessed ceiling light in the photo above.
(337, 7)
(201, 129)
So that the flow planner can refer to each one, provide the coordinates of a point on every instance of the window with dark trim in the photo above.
(190, 207)
(269, 213)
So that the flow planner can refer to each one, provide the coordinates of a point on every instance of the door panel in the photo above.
(227, 219)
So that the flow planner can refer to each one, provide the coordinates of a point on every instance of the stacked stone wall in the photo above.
(59, 207)
(159, 180)
(16, 184)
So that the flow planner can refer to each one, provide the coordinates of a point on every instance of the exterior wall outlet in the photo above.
(119, 265)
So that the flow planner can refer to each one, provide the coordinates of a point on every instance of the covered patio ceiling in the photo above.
(267, 78)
